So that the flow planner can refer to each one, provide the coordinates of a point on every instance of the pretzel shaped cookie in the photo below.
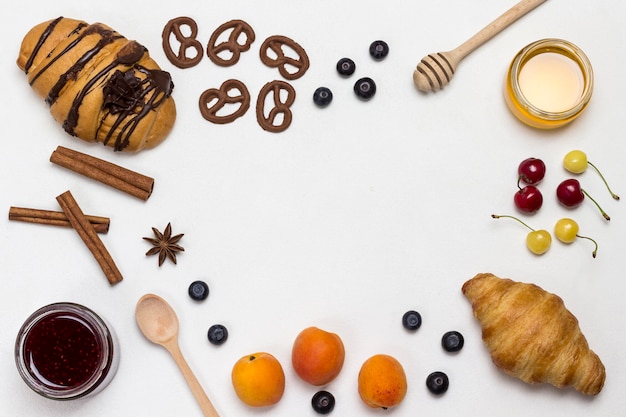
(280, 46)
(213, 100)
(237, 28)
(271, 122)
(180, 59)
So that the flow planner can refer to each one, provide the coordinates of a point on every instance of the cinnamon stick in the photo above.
(123, 179)
(87, 233)
(54, 218)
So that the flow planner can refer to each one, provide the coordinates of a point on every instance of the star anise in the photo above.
(165, 244)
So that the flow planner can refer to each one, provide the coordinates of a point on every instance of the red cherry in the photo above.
(528, 199)
(570, 194)
(531, 170)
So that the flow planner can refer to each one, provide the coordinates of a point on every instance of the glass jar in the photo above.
(65, 351)
(564, 79)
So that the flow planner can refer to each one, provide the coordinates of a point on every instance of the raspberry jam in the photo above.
(66, 351)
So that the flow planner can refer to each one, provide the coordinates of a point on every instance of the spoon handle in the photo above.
(192, 381)
(495, 27)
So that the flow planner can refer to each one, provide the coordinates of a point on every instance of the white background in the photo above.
(355, 214)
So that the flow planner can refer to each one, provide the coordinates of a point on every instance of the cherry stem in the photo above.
(606, 216)
(615, 196)
(497, 216)
(595, 251)
(520, 179)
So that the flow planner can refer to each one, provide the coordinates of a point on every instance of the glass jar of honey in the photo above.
(549, 83)
(65, 351)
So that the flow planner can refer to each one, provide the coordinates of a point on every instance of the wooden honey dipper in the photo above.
(436, 70)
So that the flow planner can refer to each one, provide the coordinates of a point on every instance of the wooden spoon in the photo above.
(158, 322)
(436, 70)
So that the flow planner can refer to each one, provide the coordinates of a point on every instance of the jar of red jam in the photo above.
(65, 351)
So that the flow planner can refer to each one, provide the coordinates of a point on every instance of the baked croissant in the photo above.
(532, 336)
(99, 85)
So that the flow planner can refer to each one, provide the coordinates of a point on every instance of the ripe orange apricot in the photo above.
(258, 379)
(382, 382)
(317, 355)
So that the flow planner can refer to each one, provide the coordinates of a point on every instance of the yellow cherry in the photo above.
(537, 241)
(576, 162)
(566, 230)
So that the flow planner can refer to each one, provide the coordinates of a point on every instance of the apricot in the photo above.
(317, 355)
(258, 379)
(382, 382)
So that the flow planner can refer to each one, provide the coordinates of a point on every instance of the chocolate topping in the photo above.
(53, 60)
(40, 42)
(72, 73)
(163, 82)
(131, 99)
(130, 53)
(122, 92)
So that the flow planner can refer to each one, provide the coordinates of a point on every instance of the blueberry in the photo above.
(323, 402)
(365, 88)
(346, 67)
(217, 334)
(452, 341)
(437, 383)
(411, 320)
(322, 96)
(198, 290)
(379, 50)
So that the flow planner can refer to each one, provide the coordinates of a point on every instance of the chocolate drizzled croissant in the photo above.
(99, 85)
(532, 336)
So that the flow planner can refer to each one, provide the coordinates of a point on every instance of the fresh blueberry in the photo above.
(411, 320)
(323, 402)
(198, 290)
(437, 383)
(379, 50)
(346, 67)
(452, 341)
(217, 334)
(365, 88)
(322, 96)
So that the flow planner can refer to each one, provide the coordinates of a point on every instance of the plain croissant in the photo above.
(532, 336)
(99, 85)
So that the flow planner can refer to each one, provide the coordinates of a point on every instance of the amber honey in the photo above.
(549, 83)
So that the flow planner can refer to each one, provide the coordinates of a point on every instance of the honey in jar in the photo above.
(549, 83)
